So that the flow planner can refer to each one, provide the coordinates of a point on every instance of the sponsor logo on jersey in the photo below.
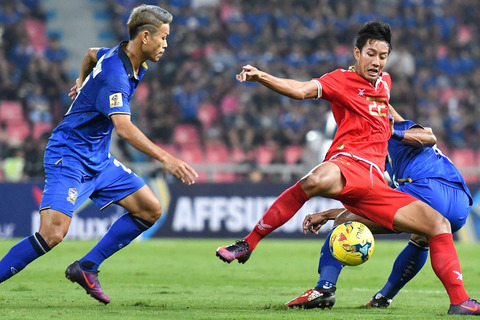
(116, 100)
(72, 195)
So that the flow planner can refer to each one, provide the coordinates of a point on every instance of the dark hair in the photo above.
(147, 17)
(374, 30)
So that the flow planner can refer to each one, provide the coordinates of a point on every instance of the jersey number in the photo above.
(377, 109)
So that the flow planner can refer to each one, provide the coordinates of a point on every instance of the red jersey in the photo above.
(361, 114)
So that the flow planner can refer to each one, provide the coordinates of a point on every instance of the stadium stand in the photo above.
(434, 65)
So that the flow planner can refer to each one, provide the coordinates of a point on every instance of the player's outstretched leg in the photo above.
(21, 254)
(88, 281)
(121, 233)
(323, 295)
(239, 250)
(282, 210)
(408, 263)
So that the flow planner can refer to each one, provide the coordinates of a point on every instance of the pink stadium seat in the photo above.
(292, 154)
(224, 177)
(217, 153)
(264, 155)
(39, 128)
(17, 132)
(141, 93)
(207, 114)
(36, 33)
(11, 110)
(464, 159)
(185, 134)
(191, 154)
(202, 176)
(238, 155)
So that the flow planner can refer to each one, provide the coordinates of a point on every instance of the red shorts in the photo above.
(367, 194)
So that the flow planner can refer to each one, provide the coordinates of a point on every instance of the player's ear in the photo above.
(144, 36)
(356, 53)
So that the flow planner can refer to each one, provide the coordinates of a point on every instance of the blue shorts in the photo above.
(446, 197)
(66, 188)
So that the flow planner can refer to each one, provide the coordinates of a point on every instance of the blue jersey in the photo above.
(82, 139)
(408, 163)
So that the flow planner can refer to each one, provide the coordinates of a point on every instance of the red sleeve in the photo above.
(333, 84)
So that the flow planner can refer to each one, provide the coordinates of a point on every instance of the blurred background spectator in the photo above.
(192, 91)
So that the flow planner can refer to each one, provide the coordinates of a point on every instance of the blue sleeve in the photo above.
(101, 52)
(405, 125)
(113, 96)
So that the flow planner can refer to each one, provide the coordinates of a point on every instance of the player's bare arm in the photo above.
(419, 137)
(396, 116)
(314, 221)
(128, 131)
(88, 64)
(288, 87)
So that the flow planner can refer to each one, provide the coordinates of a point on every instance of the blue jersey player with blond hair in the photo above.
(416, 166)
(77, 161)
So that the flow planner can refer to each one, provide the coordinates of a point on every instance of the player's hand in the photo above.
(249, 73)
(181, 170)
(74, 90)
(314, 221)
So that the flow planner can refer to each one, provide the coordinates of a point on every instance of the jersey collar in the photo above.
(352, 68)
(128, 64)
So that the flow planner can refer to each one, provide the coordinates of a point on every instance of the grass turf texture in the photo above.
(182, 279)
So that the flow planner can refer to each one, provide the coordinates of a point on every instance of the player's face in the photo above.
(371, 60)
(157, 43)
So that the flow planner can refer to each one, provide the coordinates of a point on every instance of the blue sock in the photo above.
(408, 263)
(328, 267)
(121, 233)
(21, 254)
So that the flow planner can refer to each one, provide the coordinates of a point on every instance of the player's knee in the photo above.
(442, 225)
(53, 237)
(154, 212)
(315, 184)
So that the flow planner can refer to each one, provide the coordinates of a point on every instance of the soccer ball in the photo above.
(352, 243)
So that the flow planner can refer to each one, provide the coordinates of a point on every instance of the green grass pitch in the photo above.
(182, 279)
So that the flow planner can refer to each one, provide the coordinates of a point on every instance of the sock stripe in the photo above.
(39, 244)
(139, 222)
(419, 246)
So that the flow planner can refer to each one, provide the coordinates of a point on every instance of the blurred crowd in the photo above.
(33, 88)
(435, 69)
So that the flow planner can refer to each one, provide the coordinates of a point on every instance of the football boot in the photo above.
(314, 298)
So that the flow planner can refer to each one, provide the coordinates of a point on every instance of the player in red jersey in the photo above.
(353, 170)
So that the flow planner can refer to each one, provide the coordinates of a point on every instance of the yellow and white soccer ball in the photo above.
(352, 243)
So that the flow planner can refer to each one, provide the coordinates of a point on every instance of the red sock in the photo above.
(282, 210)
(447, 267)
